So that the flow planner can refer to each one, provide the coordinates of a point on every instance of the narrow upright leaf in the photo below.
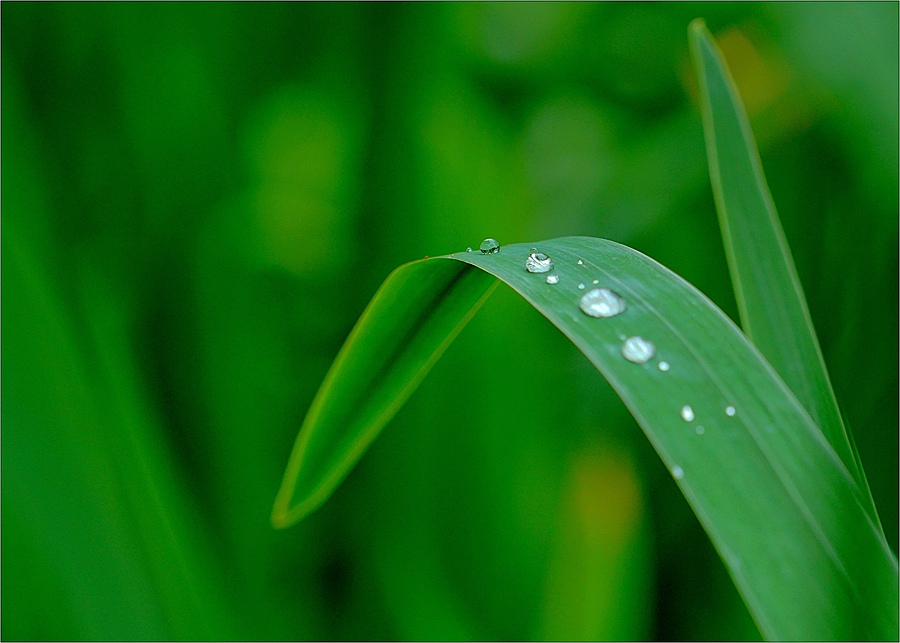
(770, 299)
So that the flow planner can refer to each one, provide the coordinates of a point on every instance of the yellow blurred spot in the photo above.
(598, 580)
(303, 154)
(761, 79)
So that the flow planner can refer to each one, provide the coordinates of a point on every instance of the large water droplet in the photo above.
(677, 472)
(601, 303)
(638, 350)
(489, 246)
(687, 413)
(538, 262)
(663, 366)
(553, 279)
(730, 411)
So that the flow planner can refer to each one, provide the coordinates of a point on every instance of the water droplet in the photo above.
(580, 286)
(580, 262)
(595, 282)
(677, 472)
(687, 413)
(638, 350)
(538, 262)
(663, 366)
(489, 247)
(601, 302)
(700, 430)
(730, 411)
(552, 279)
(469, 249)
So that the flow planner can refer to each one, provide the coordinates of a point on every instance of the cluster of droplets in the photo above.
(603, 303)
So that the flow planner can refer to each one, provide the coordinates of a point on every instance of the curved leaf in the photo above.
(782, 509)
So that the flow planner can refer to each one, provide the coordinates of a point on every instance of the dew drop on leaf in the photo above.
(638, 350)
(730, 411)
(601, 303)
(538, 262)
(469, 249)
(552, 279)
(677, 472)
(663, 366)
(687, 413)
(489, 246)
(700, 430)
(580, 262)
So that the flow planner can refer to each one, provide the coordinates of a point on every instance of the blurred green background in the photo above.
(198, 201)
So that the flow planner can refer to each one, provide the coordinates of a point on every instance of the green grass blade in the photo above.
(770, 299)
(782, 509)
(409, 323)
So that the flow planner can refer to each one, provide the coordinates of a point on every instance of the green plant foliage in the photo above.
(769, 296)
(769, 489)
(406, 328)
(198, 202)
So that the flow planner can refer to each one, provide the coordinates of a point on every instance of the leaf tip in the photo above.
(279, 517)
(698, 32)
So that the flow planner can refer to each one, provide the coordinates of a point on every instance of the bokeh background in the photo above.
(198, 200)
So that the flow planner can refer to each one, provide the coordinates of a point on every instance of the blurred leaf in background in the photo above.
(198, 201)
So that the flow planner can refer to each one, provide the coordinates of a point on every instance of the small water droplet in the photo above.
(638, 350)
(489, 246)
(580, 262)
(663, 366)
(595, 282)
(730, 411)
(538, 262)
(677, 472)
(469, 249)
(700, 430)
(552, 279)
(601, 303)
(580, 286)
(687, 413)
